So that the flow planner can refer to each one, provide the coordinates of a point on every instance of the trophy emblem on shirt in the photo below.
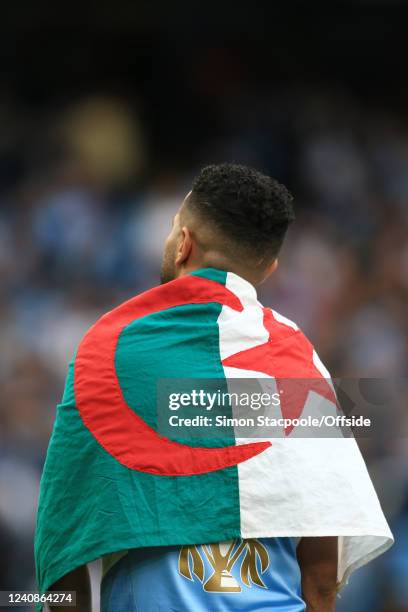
(252, 555)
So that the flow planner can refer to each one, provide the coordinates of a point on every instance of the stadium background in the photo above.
(106, 113)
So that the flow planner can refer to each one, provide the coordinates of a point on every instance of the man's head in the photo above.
(234, 218)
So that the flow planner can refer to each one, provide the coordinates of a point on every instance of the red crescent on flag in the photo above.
(103, 409)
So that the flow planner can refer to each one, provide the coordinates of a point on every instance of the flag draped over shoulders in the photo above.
(111, 482)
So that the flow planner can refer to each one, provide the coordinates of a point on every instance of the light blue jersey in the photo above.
(250, 575)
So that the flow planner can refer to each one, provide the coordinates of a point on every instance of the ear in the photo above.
(273, 267)
(270, 270)
(184, 247)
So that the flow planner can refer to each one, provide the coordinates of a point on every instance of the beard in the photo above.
(168, 268)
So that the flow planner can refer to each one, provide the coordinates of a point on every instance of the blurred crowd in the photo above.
(84, 210)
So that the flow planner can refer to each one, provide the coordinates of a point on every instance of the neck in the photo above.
(222, 263)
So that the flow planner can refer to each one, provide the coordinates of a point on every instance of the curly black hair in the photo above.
(251, 209)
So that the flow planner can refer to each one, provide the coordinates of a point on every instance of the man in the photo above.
(252, 525)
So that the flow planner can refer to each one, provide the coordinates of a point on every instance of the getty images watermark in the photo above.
(209, 401)
(265, 407)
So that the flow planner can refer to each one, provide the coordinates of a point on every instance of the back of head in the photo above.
(234, 218)
(248, 210)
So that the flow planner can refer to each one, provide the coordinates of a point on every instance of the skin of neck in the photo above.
(219, 261)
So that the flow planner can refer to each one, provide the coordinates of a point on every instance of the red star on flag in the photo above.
(287, 356)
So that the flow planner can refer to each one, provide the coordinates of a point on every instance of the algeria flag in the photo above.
(111, 482)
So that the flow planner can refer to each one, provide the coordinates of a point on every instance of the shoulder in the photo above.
(288, 335)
